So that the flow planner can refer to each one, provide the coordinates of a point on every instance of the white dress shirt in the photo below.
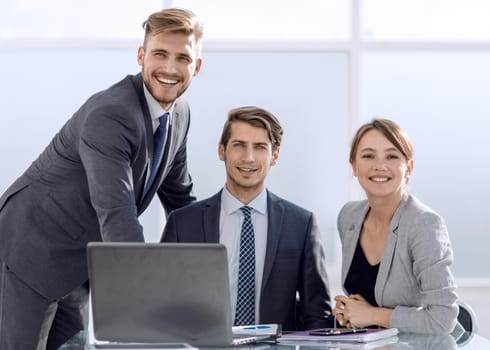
(156, 111)
(230, 224)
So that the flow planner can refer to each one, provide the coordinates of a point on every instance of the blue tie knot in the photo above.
(246, 210)
(163, 119)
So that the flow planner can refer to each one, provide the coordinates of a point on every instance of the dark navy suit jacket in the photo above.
(294, 261)
(87, 185)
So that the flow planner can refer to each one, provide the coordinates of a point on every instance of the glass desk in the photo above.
(469, 341)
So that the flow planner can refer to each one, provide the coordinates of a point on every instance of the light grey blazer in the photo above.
(414, 276)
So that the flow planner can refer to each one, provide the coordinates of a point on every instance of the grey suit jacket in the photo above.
(294, 260)
(414, 276)
(87, 185)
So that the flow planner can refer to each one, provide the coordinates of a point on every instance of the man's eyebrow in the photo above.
(254, 143)
(237, 141)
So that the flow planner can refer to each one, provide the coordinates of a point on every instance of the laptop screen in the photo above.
(160, 292)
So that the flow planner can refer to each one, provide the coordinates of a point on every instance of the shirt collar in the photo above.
(156, 111)
(231, 204)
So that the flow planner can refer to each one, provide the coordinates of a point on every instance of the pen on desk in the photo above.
(257, 327)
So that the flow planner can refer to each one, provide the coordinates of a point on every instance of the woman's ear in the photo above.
(353, 166)
(409, 168)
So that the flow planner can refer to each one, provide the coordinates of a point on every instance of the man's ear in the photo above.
(275, 156)
(140, 56)
(198, 66)
(221, 152)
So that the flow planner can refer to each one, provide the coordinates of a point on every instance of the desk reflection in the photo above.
(424, 342)
(404, 341)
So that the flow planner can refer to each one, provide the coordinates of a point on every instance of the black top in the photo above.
(361, 277)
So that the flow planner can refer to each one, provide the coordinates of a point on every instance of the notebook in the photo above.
(384, 343)
(144, 293)
(372, 334)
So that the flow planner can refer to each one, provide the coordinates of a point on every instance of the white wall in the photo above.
(442, 100)
(307, 92)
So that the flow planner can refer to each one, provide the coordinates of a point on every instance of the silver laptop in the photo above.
(161, 293)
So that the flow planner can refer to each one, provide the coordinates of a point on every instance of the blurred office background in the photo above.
(322, 66)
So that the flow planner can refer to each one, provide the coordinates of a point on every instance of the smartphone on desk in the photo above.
(337, 331)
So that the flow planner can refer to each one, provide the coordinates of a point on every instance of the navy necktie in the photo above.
(159, 139)
(245, 305)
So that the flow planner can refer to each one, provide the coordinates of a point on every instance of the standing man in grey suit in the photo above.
(289, 257)
(92, 182)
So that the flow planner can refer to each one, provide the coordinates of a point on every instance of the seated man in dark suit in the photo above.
(275, 252)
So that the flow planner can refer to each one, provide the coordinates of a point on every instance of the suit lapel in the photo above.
(275, 213)
(137, 82)
(149, 142)
(389, 253)
(211, 213)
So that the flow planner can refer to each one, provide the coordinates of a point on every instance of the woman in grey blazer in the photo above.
(396, 252)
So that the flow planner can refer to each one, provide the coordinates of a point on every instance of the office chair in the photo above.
(467, 320)
(467, 317)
